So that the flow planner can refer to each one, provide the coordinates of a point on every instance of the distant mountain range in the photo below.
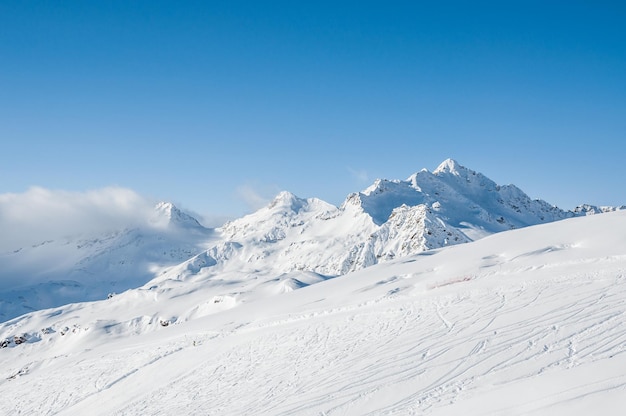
(290, 243)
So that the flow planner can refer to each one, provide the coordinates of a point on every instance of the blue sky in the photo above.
(217, 106)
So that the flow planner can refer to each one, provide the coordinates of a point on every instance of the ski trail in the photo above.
(420, 352)
(322, 364)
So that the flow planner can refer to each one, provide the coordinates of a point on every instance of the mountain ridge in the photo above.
(387, 220)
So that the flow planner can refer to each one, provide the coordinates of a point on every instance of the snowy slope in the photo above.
(529, 321)
(89, 267)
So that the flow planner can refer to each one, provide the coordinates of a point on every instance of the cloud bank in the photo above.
(41, 214)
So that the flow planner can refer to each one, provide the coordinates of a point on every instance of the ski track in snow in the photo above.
(322, 367)
(403, 355)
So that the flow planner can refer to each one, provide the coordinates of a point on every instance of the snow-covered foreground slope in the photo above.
(530, 321)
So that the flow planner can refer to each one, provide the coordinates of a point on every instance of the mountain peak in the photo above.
(167, 213)
(450, 166)
(165, 207)
(288, 200)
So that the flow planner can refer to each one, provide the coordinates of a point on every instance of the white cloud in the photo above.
(252, 197)
(41, 214)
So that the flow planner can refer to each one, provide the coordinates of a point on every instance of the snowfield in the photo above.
(524, 322)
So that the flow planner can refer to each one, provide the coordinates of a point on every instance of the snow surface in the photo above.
(528, 321)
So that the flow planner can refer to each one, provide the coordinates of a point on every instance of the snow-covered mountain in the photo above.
(90, 267)
(527, 321)
(288, 244)
(390, 219)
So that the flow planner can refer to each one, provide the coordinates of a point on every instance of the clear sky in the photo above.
(217, 106)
